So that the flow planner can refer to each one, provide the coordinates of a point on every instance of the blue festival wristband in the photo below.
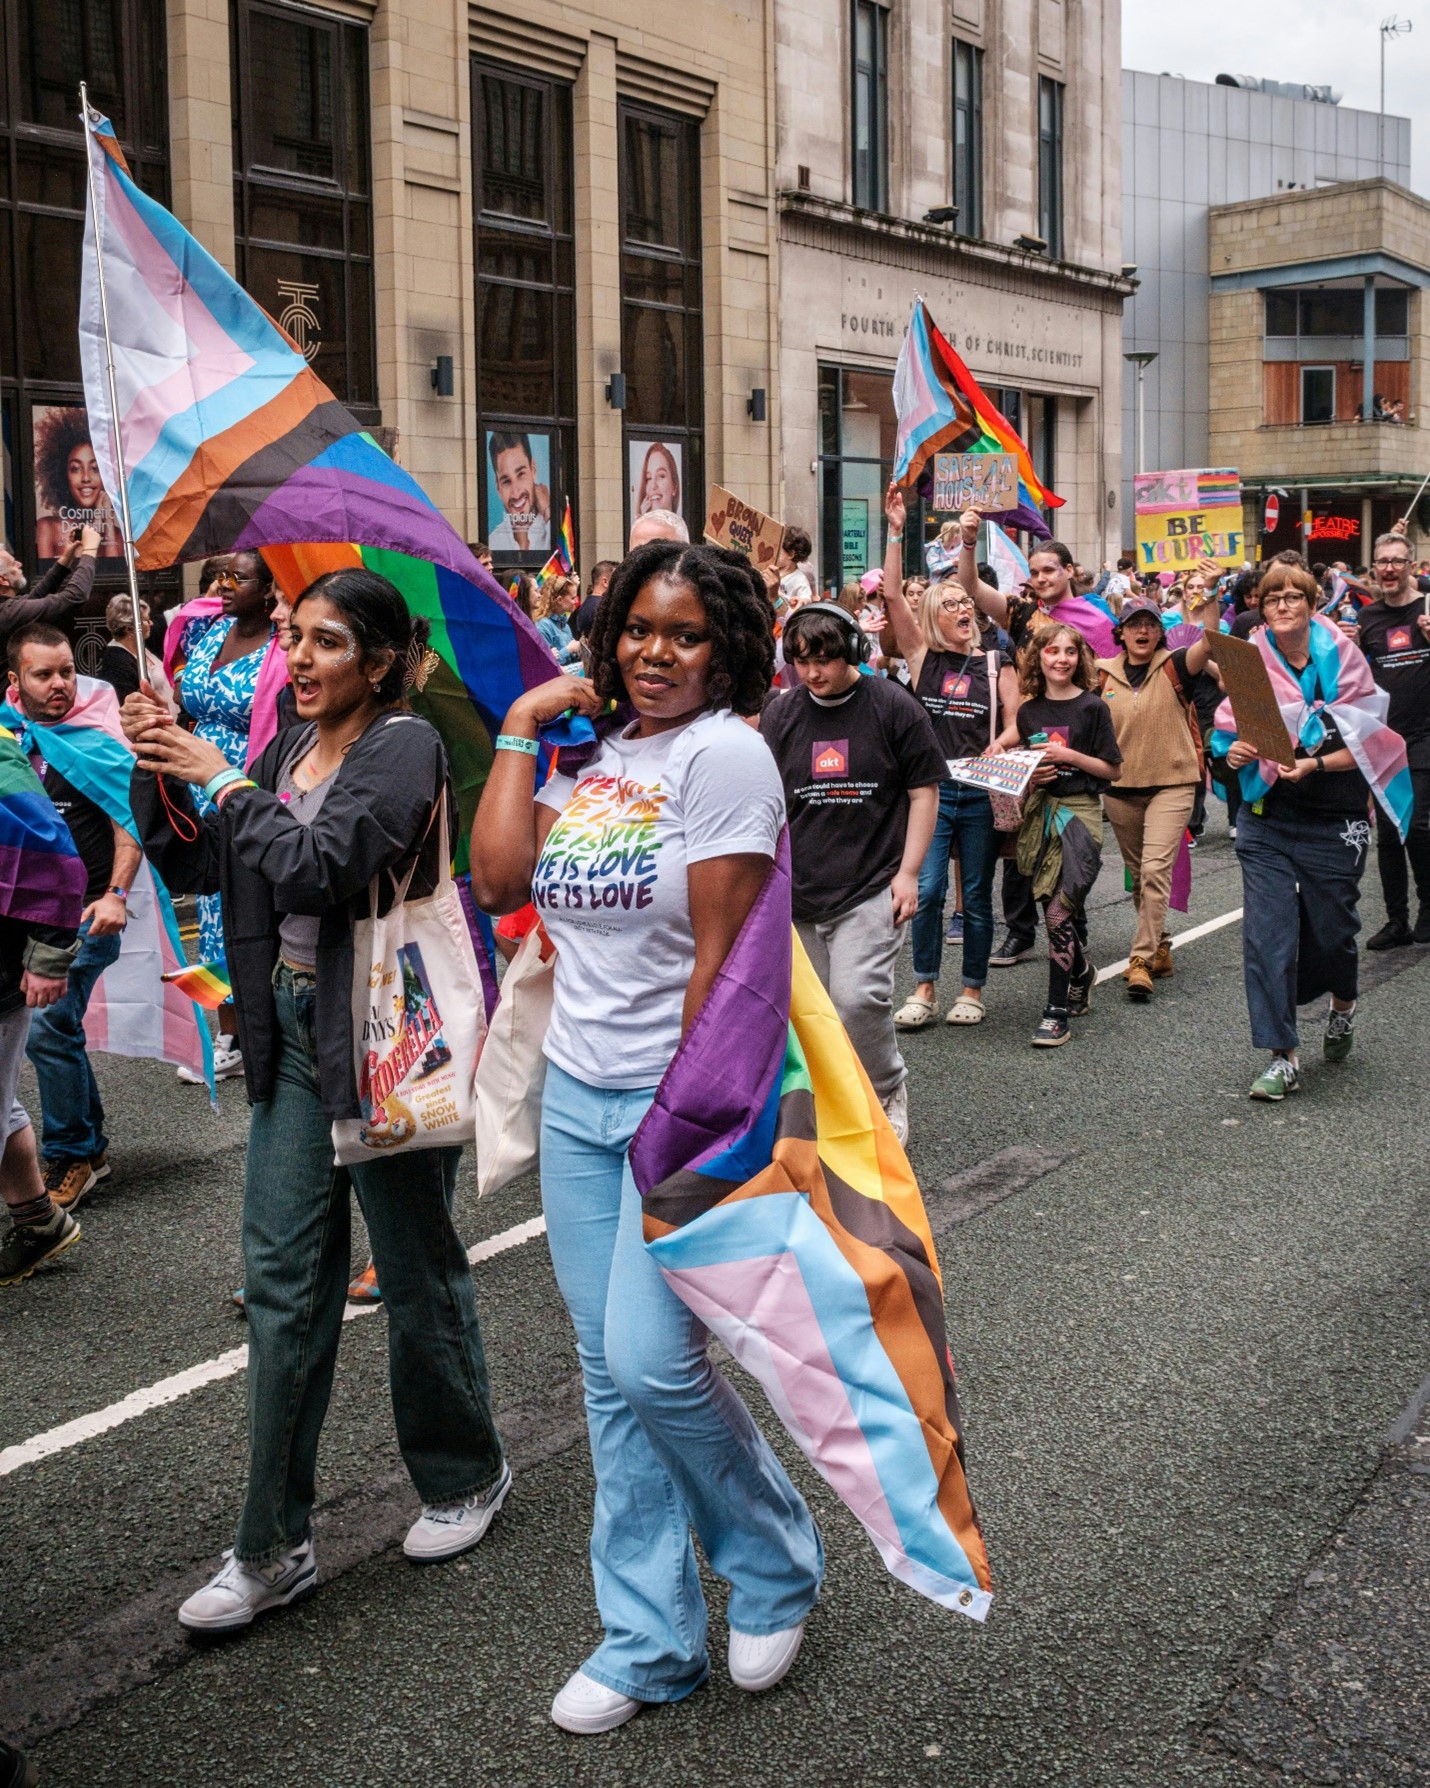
(222, 780)
(510, 742)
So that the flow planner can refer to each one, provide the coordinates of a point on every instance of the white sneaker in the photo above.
(586, 1706)
(228, 1063)
(759, 1662)
(444, 1532)
(240, 1591)
(896, 1109)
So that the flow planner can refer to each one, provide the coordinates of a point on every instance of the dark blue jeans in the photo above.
(965, 825)
(1300, 882)
(71, 1115)
(296, 1224)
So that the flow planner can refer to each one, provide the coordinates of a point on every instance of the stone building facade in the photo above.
(605, 253)
(888, 118)
(1318, 298)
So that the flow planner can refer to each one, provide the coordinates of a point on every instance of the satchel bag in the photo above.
(511, 1074)
(418, 1020)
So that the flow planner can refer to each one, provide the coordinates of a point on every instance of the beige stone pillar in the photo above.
(200, 123)
(601, 479)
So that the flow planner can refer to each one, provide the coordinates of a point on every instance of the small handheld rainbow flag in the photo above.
(205, 983)
(563, 561)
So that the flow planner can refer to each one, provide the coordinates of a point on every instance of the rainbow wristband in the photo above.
(222, 780)
(228, 788)
(510, 742)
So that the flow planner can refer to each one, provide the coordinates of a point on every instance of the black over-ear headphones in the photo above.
(856, 641)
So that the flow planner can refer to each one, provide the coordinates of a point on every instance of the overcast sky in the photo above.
(1335, 42)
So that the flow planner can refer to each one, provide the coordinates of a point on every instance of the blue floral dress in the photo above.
(221, 705)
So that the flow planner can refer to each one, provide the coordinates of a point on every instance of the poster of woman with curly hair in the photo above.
(69, 493)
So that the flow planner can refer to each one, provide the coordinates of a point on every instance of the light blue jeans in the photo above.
(672, 1444)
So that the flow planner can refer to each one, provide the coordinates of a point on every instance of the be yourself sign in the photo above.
(1188, 515)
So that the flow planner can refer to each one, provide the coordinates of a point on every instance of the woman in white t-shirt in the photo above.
(643, 865)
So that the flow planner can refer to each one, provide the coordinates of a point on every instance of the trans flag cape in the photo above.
(232, 443)
(131, 1011)
(1353, 700)
(781, 1210)
(42, 876)
(942, 409)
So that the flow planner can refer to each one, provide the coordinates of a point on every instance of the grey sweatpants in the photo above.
(854, 957)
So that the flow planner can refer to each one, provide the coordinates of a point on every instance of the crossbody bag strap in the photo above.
(991, 660)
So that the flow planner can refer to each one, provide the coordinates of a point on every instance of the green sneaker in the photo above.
(1340, 1034)
(1280, 1078)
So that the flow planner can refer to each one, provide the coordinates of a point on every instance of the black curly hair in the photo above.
(737, 612)
(58, 431)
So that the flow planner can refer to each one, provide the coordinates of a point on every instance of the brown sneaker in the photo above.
(67, 1182)
(1139, 979)
(1162, 961)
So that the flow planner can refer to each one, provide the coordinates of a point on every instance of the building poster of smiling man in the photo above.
(69, 493)
(518, 491)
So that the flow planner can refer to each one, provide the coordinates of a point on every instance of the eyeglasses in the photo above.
(1282, 599)
(1394, 564)
(951, 603)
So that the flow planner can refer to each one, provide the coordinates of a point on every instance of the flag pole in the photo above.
(1416, 498)
(124, 527)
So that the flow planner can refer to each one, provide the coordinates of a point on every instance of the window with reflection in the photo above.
(303, 190)
(526, 310)
(46, 48)
(968, 137)
(858, 433)
(871, 105)
(662, 339)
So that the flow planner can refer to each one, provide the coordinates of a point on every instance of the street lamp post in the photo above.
(1141, 361)
(1391, 27)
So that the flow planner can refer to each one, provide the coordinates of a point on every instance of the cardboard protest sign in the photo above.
(1253, 701)
(1006, 773)
(984, 481)
(743, 529)
(1186, 516)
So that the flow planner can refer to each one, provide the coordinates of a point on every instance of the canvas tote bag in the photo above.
(418, 1021)
(511, 1073)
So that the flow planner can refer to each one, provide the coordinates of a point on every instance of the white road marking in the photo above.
(227, 1365)
(1189, 936)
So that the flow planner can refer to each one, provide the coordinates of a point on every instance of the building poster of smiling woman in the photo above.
(69, 493)
(655, 476)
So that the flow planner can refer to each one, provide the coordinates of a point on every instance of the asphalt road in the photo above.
(1184, 1325)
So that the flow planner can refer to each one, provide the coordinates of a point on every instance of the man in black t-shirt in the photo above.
(42, 678)
(1394, 634)
(585, 617)
(861, 769)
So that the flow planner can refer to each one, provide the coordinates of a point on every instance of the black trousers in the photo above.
(1397, 861)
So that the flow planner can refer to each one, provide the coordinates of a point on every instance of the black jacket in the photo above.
(61, 590)
(264, 862)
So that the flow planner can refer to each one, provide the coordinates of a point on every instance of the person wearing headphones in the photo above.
(861, 770)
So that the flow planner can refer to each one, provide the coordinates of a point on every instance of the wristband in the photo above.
(222, 780)
(510, 742)
(240, 781)
(895, 540)
(120, 893)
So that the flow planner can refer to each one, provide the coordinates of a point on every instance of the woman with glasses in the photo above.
(1303, 834)
(224, 656)
(970, 694)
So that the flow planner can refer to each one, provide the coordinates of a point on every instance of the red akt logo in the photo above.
(956, 685)
(1398, 639)
(1059, 732)
(831, 757)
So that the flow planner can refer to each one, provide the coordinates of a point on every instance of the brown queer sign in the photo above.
(1253, 701)
(743, 529)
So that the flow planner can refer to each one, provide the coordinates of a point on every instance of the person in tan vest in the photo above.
(1149, 691)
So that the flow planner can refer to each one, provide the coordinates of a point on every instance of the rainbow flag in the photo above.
(205, 983)
(42, 878)
(942, 409)
(232, 443)
(563, 561)
(783, 1212)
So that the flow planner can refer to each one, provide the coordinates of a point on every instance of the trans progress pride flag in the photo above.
(231, 443)
(783, 1212)
(942, 409)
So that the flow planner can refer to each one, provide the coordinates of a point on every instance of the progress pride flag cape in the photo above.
(783, 1212)
(131, 1011)
(1355, 702)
